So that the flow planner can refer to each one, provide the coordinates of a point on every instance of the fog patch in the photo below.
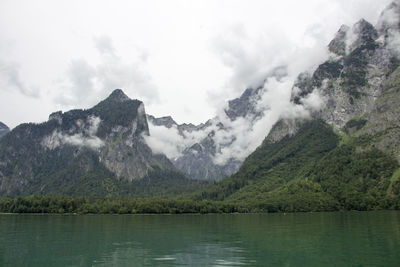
(241, 137)
(86, 138)
(238, 138)
(390, 24)
(171, 141)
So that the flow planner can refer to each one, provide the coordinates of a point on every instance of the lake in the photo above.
(300, 239)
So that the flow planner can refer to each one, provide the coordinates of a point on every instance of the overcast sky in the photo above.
(181, 58)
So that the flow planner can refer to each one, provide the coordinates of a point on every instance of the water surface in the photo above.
(300, 239)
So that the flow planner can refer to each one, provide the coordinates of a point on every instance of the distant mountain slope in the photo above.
(347, 154)
(98, 151)
(3, 129)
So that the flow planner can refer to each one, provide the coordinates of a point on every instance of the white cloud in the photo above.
(313, 101)
(240, 137)
(394, 43)
(390, 20)
(163, 140)
(244, 135)
(170, 141)
(86, 138)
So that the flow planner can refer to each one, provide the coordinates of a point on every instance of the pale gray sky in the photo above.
(182, 58)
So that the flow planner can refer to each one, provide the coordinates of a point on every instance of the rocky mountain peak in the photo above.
(364, 28)
(362, 33)
(338, 44)
(118, 96)
(347, 39)
(103, 143)
(242, 106)
(354, 85)
(166, 121)
(56, 116)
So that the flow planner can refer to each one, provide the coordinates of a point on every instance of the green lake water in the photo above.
(300, 239)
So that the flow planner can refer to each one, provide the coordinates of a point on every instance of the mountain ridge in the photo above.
(98, 151)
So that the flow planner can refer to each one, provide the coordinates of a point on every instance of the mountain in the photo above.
(3, 129)
(344, 155)
(336, 149)
(208, 150)
(197, 158)
(359, 85)
(99, 151)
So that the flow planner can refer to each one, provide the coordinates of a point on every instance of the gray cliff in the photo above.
(102, 143)
(359, 85)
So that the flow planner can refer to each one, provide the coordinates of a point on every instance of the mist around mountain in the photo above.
(346, 154)
(328, 140)
(95, 152)
(216, 149)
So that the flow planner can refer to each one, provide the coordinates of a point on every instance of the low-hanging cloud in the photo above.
(236, 139)
(170, 141)
(243, 135)
(390, 23)
(253, 66)
(86, 138)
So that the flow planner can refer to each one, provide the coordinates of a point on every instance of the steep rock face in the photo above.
(3, 129)
(244, 105)
(338, 44)
(359, 81)
(98, 144)
(380, 128)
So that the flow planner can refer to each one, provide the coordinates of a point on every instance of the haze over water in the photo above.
(302, 239)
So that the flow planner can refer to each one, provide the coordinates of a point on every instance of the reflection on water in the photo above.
(304, 239)
(203, 255)
(134, 254)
